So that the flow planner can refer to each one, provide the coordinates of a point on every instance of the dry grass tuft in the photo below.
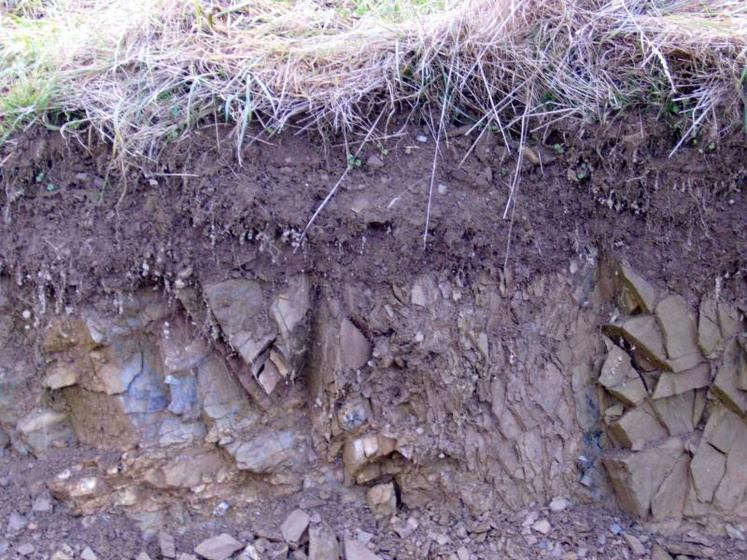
(146, 72)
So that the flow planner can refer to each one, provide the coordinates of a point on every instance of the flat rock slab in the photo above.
(356, 551)
(294, 527)
(219, 547)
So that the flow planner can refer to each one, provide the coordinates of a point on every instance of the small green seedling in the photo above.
(354, 162)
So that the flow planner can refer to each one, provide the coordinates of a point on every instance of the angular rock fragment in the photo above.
(218, 548)
(355, 347)
(680, 332)
(191, 468)
(676, 413)
(44, 428)
(643, 335)
(637, 477)
(669, 500)
(323, 543)
(723, 428)
(637, 293)
(240, 308)
(619, 377)
(725, 384)
(167, 544)
(707, 469)
(710, 340)
(294, 527)
(638, 427)
(354, 550)
(362, 451)
(382, 500)
(269, 451)
(732, 489)
(671, 384)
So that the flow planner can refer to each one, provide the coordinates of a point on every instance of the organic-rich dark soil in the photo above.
(75, 225)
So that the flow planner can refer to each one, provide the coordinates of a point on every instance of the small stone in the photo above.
(635, 544)
(61, 555)
(542, 526)
(167, 544)
(218, 548)
(463, 553)
(382, 499)
(25, 549)
(250, 552)
(16, 522)
(615, 529)
(658, 553)
(637, 292)
(733, 532)
(354, 550)
(185, 556)
(88, 554)
(363, 537)
(294, 527)
(421, 138)
(42, 504)
(143, 556)
(375, 162)
(559, 504)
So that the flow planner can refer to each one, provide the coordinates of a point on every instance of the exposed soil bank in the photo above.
(174, 351)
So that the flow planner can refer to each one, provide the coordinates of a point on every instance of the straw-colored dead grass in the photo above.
(145, 72)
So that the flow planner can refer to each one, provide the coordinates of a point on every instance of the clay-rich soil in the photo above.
(74, 227)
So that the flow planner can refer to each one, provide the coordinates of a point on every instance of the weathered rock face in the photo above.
(474, 393)
(681, 416)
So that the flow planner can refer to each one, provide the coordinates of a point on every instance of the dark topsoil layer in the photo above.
(77, 223)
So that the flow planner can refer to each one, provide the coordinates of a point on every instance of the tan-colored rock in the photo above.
(637, 293)
(221, 394)
(669, 500)
(382, 500)
(290, 308)
(294, 527)
(323, 543)
(619, 377)
(723, 428)
(355, 347)
(44, 428)
(354, 550)
(676, 413)
(671, 384)
(270, 451)
(637, 477)
(192, 467)
(62, 373)
(677, 323)
(361, 451)
(218, 548)
(659, 553)
(707, 469)
(644, 336)
(635, 544)
(167, 544)
(637, 428)
(710, 340)
(725, 384)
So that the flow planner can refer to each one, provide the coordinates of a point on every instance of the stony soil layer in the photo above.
(175, 352)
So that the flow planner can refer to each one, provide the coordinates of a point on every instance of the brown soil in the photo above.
(74, 229)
